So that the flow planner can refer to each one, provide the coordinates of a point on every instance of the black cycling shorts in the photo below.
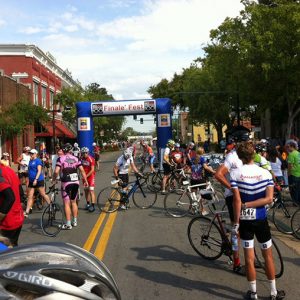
(167, 169)
(72, 190)
(259, 228)
(124, 178)
(40, 183)
(229, 203)
(22, 174)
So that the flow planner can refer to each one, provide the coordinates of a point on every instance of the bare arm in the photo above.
(134, 168)
(81, 169)
(268, 199)
(209, 169)
(116, 170)
(220, 176)
(237, 204)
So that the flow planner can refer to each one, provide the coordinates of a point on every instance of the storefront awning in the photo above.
(60, 130)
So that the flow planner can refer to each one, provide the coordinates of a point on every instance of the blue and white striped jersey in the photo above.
(252, 181)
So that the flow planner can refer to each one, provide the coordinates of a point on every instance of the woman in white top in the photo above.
(275, 165)
(23, 162)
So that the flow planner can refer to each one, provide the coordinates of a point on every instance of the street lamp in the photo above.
(53, 128)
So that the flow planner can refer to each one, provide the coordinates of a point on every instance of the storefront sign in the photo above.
(123, 107)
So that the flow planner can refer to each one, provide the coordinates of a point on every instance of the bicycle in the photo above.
(181, 202)
(295, 223)
(210, 239)
(53, 216)
(112, 197)
(283, 210)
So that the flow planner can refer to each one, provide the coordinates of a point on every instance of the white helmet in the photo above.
(94, 144)
(75, 145)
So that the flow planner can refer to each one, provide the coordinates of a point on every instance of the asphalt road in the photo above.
(150, 256)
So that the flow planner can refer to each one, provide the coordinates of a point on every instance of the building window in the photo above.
(35, 93)
(43, 96)
(51, 100)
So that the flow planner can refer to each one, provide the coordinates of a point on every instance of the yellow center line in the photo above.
(102, 243)
(90, 241)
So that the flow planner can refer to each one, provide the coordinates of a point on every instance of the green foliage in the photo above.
(16, 117)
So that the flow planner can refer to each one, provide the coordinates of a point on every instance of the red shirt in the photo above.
(177, 156)
(15, 217)
(87, 164)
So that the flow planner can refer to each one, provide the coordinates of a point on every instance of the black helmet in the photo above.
(260, 148)
(240, 136)
(67, 147)
(55, 271)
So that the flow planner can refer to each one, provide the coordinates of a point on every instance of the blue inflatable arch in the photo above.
(86, 111)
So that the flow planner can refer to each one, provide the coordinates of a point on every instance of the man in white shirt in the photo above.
(167, 164)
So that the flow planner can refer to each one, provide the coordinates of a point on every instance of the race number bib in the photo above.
(74, 177)
(248, 214)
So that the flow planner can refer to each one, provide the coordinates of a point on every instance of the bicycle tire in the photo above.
(205, 238)
(109, 199)
(143, 197)
(295, 223)
(217, 203)
(156, 180)
(177, 204)
(282, 215)
(52, 219)
(174, 183)
(277, 258)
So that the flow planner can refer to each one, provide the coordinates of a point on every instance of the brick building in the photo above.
(29, 65)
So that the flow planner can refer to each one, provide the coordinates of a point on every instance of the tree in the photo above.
(16, 117)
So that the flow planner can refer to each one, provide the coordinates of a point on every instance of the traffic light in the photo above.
(141, 120)
(134, 117)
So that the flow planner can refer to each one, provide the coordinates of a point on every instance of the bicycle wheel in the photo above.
(295, 223)
(144, 197)
(156, 180)
(177, 204)
(205, 237)
(277, 258)
(217, 203)
(52, 219)
(282, 215)
(109, 199)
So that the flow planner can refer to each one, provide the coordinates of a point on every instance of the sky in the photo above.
(124, 45)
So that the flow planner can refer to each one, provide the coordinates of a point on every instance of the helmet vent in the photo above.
(68, 276)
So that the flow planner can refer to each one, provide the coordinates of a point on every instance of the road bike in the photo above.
(295, 223)
(53, 216)
(210, 239)
(112, 197)
(182, 202)
(283, 210)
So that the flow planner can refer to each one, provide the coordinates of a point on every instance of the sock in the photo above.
(93, 204)
(68, 223)
(252, 285)
(236, 262)
(87, 202)
(273, 287)
(74, 219)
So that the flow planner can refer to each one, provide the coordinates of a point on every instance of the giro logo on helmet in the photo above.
(34, 279)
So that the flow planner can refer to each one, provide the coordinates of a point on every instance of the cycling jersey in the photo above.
(197, 169)
(124, 164)
(262, 162)
(76, 151)
(68, 164)
(191, 155)
(166, 153)
(232, 162)
(25, 162)
(252, 181)
(87, 164)
(177, 156)
(15, 217)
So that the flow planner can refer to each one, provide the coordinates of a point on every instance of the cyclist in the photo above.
(167, 164)
(88, 164)
(5, 159)
(253, 188)
(198, 166)
(121, 169)
(231, 163)
(76, 150)
(11, 211)
(190, 153)
(36, 180)
(67, 166)
(260, 157)
(148, 154)
(178, 157)
(96, 152)
(23, 161)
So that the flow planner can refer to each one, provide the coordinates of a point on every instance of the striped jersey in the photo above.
(252, 181)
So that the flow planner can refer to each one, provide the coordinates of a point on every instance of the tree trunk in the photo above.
(219, 127)
(293, 112)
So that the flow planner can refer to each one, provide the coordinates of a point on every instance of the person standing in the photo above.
(67, 166)
(253, 189)
(36, 180)
(23, 162)
(294, 169)
(88, 164)
(11, 212)
(167, 164)
(96, 152)
(76, 150)
(5, 159)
